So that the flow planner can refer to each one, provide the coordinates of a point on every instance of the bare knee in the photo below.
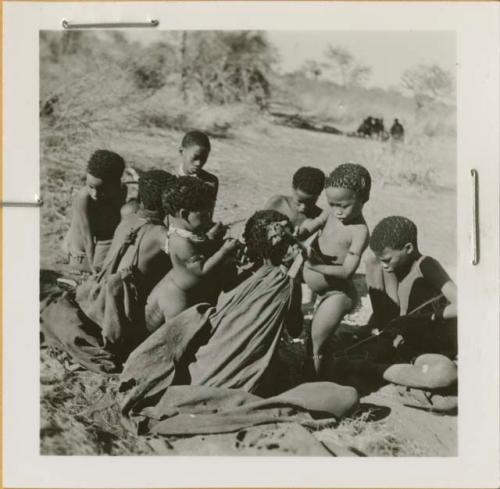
(327, 317)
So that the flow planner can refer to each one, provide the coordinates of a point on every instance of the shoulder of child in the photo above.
(275, 201)
(360, 238)
(433, 271)
(181, 247)
(209, 177)
(82, 199)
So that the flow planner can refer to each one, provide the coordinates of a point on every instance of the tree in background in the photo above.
(428, 83)
(229, 66)
(313, 69)
(344, 69)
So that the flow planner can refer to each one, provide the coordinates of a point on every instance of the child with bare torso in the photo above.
(152, 261)
(196, 258)
(336, 251)
(96, 212)
(307, 185)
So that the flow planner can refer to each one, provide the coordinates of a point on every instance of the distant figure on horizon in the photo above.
(366, 127)
(397, 131)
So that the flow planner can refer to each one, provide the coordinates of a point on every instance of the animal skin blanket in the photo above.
(222, 354)
(100, 324)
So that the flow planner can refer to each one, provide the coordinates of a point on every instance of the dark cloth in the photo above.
(100, 325)
(246, 328)
(153, 402)
(65, 327)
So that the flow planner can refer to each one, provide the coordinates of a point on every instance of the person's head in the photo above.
(152, 184)
(347, 188)
(104, 173)
(192, 201)
(194, 150)
(307, 183)
(264, 237)
(394, 242)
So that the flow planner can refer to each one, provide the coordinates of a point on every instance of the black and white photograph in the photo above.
(248, 243)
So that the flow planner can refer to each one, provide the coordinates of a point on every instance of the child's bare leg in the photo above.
(325, 320)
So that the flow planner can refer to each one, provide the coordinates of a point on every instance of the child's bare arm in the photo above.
(274, 202)
(310, 226)
(449, 290)
(352, 259)
(437, 276)
(82, 216)
(194, 263)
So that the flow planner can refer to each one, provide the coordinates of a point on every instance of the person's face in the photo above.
(344, 204)
(303, 201)
(392, 259)
(198, 221)
(98, 190)
(193, 158)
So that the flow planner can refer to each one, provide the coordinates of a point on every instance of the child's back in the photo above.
(151, 260)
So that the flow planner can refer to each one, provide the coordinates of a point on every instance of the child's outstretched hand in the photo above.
(217, 231)
(230, 245)
(300, 233)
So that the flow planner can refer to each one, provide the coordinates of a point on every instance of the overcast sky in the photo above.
(388, 53)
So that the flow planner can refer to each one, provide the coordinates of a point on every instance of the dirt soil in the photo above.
(251, 168)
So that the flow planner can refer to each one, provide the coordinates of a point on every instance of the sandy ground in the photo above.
(251, 168)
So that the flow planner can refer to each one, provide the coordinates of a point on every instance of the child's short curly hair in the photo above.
(256, 236)
(197, 138)
(152, 184)
(106, 165)
(352, 177)
(310, 180)
(393, 232)
(188, 193)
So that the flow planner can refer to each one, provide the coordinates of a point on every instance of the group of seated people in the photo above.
(151, 259)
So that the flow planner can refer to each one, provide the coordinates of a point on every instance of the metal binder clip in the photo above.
(475, 218)
(110, 25)
(38, 202)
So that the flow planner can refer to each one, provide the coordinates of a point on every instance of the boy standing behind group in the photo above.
(195, 149)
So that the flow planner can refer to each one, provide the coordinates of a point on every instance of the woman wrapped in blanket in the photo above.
(247, 322)
(208, 365)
